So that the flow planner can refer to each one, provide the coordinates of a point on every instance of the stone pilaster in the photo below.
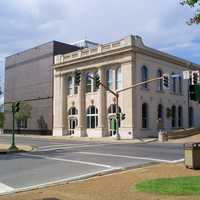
(81, 130)
(59, 105)
(102, 115)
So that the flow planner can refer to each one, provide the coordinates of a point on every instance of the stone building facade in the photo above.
(85, 110)
(29, 78)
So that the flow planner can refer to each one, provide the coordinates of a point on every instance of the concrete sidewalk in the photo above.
(87, 139)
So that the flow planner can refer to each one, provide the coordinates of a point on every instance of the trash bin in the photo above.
(162, 136)
(192, 155)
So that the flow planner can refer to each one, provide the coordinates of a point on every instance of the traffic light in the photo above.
(97, 81)
(77, 77)
(166, 82)
(195, 77)
(195, 92)
(17, 106)
(123, 116)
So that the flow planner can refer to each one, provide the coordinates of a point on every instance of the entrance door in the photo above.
(72, 125)
(112, 126)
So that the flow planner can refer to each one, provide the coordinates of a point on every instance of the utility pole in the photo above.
(15, 109)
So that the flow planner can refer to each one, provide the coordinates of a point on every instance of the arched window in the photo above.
(109, 78)
(160, 111)
(72, 120)
(173, 116)
(118, 78)
(73, 111)
(180, 84)
(145, 115)
(144, 76)
(113, 108)
(160, 82)
(180, 116)
(191, 117)
(70, 85)
(92, 117)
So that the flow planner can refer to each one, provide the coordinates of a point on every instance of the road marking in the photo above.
(5, 188)
(69, 160)
(71, 147)
(57, 145)
(131, 157)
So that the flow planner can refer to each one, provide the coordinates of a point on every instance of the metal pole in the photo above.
(13, 147)
(117, 119)
(189, 103)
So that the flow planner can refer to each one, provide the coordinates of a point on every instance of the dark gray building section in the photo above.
(29, 77)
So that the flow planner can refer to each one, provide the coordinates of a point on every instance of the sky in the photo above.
(161, 24)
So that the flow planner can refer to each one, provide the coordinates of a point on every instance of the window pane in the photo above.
(109, 78)
(88, 84)
(118, 78)
(92, 121)
(70, 86)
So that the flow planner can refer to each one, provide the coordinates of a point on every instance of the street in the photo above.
(55, 161)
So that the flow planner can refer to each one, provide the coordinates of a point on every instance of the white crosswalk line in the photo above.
(5, 188)
(131, 157)
(71, 147)
(69, 160)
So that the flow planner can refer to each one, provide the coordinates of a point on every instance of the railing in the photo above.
(92, 51)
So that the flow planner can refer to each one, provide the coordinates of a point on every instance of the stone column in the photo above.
(59, 106)
(102, 114)
(81, 109)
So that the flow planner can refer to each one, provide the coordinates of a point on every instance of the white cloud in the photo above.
(26, 23)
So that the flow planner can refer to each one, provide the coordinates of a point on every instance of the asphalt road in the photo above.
(59, 160)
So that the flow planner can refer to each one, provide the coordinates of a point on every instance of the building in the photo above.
(85, 110)
(29, 78)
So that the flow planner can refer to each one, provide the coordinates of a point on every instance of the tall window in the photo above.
(173, 79)
(144, 115)
(160, 82)
(191, 117)
(72, 88)
(94, 84)
(89, 84)
(160, 111)
(70, 85)
(118, 78)
(180, 116)
(173, 116)
(109, 78)
(144, 76)
(180, 84)
(92, 117)
(22, 123)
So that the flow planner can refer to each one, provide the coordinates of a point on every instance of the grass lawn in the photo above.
(171, 186)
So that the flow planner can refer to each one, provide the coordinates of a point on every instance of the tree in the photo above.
(193, 3)
(24, 112)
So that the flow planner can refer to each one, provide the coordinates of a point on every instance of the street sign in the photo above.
(186, 75)
(175, 75)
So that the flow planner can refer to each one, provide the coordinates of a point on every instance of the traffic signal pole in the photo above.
(13, 146)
